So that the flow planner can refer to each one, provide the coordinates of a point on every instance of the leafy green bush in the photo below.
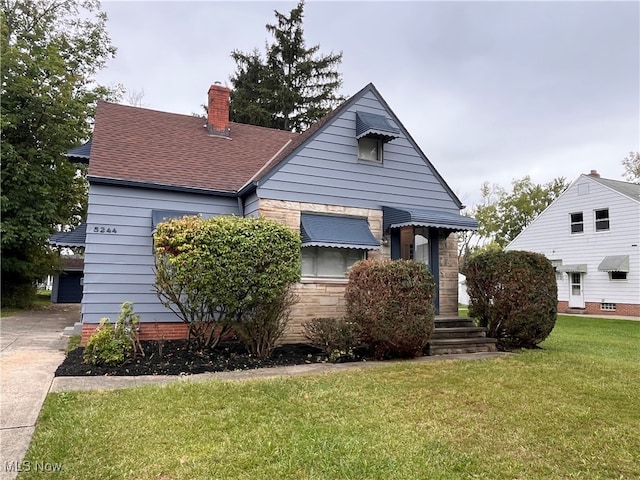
(105, 347)
(392, 302)
(261, 328)
(223, 271)
(336, 337)
(514, 294)
(112, 345)
(17, 295)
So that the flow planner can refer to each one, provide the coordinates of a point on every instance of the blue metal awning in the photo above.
(405, 217)
(320, 230)
(159, 216)
(75, 238)
(80, 154)
(375, 126)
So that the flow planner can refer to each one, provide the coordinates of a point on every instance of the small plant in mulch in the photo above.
(174, 357)
(111, 345)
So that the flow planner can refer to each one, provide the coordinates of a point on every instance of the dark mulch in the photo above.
(175, 359)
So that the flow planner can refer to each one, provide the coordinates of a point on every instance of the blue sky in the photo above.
(491, 91)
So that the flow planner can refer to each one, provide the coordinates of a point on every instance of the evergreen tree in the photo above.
(51, 50)
(292, 86)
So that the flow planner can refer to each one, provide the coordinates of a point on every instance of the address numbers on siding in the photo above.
(101, 229)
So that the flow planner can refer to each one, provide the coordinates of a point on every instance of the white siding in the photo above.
(118, 266)
(550, 235)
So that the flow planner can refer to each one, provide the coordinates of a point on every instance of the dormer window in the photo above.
(372, 132)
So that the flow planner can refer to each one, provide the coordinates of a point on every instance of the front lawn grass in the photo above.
(569, 410)
(40, 300)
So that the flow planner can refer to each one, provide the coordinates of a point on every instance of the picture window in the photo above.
(329, 262)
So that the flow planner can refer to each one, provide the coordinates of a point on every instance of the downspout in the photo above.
(240, 206)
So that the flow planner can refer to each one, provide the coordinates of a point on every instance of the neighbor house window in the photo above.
(555, 264)
(618, 275)
(577, 223)
(370, 149)
(610, 307)
(602, 220)
(329, 262)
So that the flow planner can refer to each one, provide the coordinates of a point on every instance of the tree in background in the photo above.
(51, 50)
(631, 166)
(503, 214)
(292, 87)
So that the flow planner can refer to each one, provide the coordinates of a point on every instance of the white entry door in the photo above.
(576, 290)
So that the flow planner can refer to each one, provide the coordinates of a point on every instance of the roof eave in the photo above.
(119, 182)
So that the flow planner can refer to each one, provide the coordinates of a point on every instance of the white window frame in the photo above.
(572, 223)
(555, 264)
(623, 274)
(602, 220)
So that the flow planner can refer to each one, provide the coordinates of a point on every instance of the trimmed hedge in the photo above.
(514, 294)
(227, 272)
(392, 302)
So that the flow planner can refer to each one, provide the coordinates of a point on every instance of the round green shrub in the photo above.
(227, 272)
(106, 347)
(514, 294)
(392, 302)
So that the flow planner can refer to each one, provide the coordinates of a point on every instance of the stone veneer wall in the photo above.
(448, 250)
(318, 297)
(325, 297)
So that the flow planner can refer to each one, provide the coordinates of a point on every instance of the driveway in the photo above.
(31, 348)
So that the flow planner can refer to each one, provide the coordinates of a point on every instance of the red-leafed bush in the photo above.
(392, 302)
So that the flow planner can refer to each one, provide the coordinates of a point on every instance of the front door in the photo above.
(576, 290)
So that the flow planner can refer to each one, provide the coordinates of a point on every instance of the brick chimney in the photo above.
(594, 173)
(218, 110)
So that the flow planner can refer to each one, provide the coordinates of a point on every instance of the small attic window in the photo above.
(370, 149)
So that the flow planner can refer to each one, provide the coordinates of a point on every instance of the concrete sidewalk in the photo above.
(31, 348)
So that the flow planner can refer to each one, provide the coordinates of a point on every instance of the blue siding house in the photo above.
(355, 185)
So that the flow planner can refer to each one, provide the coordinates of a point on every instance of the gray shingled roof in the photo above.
(631, 190)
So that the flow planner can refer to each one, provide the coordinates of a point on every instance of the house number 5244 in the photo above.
(105, 229)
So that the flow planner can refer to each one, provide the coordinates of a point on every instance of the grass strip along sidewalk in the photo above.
(569, 410)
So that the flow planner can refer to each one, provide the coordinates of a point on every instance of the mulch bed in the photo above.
(174, 359)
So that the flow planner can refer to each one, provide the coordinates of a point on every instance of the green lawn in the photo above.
(569, 410)
(41, 299)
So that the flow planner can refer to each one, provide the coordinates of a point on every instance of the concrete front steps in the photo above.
(453, 334)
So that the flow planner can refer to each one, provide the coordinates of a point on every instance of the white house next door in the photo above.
(576, 290)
